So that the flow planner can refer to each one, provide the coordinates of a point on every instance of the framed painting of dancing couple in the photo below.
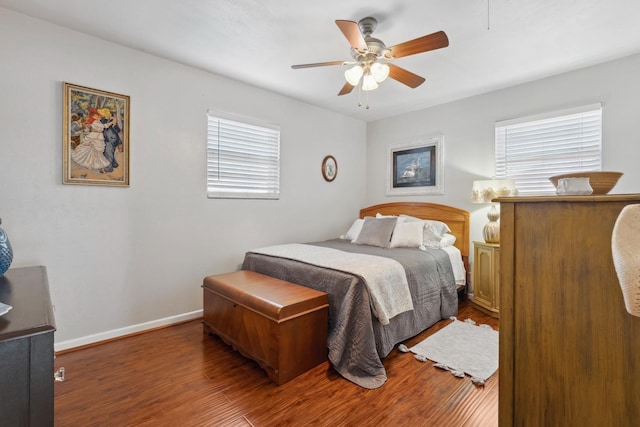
(416, 167)
(95, 137)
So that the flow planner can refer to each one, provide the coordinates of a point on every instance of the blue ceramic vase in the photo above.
(6, 252)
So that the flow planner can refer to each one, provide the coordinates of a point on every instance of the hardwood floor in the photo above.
(179, 376)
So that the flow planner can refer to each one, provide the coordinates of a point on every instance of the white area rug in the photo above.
(461, 348)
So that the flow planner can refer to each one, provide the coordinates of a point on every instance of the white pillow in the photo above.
(442, 242)
(354, 230)
(407, 235)
(438, 226)
(433, 230)
(447, 240)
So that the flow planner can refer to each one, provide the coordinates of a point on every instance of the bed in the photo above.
(360, 336)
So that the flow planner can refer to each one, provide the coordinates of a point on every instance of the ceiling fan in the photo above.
(372, 59)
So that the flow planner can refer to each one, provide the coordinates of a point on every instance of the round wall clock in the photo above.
(329, 168)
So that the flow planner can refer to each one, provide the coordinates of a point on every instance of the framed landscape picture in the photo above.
(95, 137)
(416, 167)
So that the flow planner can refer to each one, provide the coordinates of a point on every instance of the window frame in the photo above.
(569, 140)
(222, 181)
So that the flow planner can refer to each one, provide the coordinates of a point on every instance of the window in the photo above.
(531, 149)
(243, 158)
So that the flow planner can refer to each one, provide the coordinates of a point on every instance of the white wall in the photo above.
(126, 258)
(468, 128)
(119, 258)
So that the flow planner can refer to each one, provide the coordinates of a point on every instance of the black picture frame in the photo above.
(416, 167)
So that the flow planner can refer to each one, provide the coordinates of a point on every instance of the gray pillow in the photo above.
(376, 232)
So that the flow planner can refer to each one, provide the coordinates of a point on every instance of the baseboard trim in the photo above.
(96, 339)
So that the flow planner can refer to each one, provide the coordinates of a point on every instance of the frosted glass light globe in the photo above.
(353, 75)
(380, 71)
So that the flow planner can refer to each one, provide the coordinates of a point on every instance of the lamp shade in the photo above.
(487, 190)
(484, 192)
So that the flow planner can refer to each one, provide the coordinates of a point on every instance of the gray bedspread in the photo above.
(357, 341)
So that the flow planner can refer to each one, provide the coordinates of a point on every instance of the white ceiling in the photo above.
(493, 43)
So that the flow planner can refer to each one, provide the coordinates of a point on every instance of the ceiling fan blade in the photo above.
(421, 44)
(351, 31)
(405, 77)
(317, 64)
(347, 88)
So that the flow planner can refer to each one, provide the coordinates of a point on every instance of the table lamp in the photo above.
(484, 192)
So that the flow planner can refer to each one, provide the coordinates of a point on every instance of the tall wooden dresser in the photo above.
(569, 351)
(26, 349)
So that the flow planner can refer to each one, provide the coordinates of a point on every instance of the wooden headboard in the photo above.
(458, 220)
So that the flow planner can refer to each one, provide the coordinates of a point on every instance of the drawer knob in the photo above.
(59, 375)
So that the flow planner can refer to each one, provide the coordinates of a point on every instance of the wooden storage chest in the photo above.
(280, 325)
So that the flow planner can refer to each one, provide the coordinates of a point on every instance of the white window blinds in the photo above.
(531, 149)
(243, 158)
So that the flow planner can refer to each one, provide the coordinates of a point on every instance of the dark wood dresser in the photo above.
(569, 350)
(26, 349)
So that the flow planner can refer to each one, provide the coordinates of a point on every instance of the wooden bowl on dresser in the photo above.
(601, 182)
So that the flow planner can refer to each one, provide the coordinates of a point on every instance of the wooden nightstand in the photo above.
(486, 278)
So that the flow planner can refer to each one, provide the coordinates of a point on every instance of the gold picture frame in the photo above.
(95, 137)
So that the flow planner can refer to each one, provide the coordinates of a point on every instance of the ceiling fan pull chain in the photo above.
(367, 107)
(488, 22)
(360, 94)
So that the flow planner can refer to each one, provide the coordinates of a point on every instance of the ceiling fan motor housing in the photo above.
(367, 25)
(375, 47)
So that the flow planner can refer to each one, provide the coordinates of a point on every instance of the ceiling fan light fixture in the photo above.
(352, 75)
(369, 82)
(371, 57)
(379, 71)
